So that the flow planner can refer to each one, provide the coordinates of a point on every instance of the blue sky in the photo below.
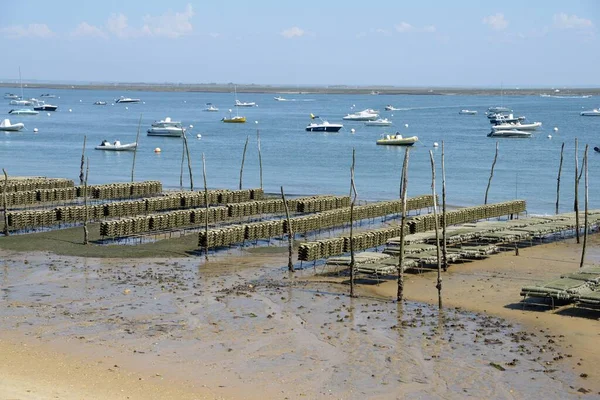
(386, 42)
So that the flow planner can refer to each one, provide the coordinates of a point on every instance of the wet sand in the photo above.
(239, 327)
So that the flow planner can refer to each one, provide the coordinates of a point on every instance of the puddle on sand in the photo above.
(242, 327)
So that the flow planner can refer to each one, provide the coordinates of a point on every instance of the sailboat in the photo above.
(21, 101)
(234, 119)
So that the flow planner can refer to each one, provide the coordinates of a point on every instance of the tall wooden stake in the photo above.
(243, 159)
(444, 249)
(137, 138)
(562, 150)
(189, 161)
(259, 159)
(585, 221)
(491, 175)
(85, 204)
(81, 175)
(437, 233)
(403, 185)
(576, 200)
(352, 190)
(290, 233)
(182, 160)
(206, 209)
(5, 202)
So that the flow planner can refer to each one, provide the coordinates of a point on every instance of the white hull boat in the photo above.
(116, 146)
(468, 112)
(211, 108)
(379, 122)
(391, 108)
(127, 100)
(99, 103)
(242, 104)
(279, 98)
(324, 126)
(20, 103)
(166, 127)
(11, 96)
(517, 125)
(365, 115)
(24, 111)
(398, 140)
(41, 106)
(509, 133)
(592, 113)
(495, 110)
(6, 126)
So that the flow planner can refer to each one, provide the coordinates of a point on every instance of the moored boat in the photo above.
(99, 103)
(21, 103)
(397, 140)
(234, 119)
(47, 95)
(42, 106)
(591, 113)
(210, 107)
(364, 115)
(116, 146)
(127, 100)
(500, 118)
(243, 104)
(24, 111)
(517, 125)
(379, 122)
(6, 126)
(324, 126)
(279, 98)
(468, 112)
(11, 96)
(391, 108)
(167, 128)
(509, 133)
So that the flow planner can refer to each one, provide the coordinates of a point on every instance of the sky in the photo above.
(356, 43)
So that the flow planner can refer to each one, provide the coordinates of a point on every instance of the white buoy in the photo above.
(112, 104)
(80, 101)
(199, 136)
(549, 136)
(35, 130)
(406, 125)
(555, 129)
(352, 130)
(191, 126)
(435, 144)
(127, 108)
(230, 110)
(48, 114)
(157, 150)
(70, 110)
(185, 101)
(143, 102)
(256, 122)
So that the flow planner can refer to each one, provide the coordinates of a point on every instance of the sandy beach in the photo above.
(241, 327)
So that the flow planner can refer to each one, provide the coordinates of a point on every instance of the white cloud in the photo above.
(404, 27)
(85, 29)
(117, 25)
(496, 22)
(564, 21)
(171, 25)
(429, 29)
(293, 32)
(214, 35)
(31, 30)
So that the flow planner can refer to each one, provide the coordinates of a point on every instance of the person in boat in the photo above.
(104, 143)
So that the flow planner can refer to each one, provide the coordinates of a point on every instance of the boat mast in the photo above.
(21, 83)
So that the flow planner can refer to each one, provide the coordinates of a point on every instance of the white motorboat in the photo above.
(364, 115)
(592, 113)
(6, 126)
(504, 118)
(379, 122)
(517, 125)
(99, 103)
(24, 111)
(324, 126)
(48, 95)
(242, 104)
(509, 133)
(468, 112)
(496, 110)
(397, 140)
(210, 107)
(11, 96)
(21, 103)
(116, 146)
(166, 127)
(279, 98)
(42, 106)
(127, 100)
(391, 108)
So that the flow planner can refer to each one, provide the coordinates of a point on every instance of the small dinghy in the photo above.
(6, 126)
(398, 140)
(116, 146)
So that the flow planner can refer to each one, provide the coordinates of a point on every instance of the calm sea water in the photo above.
(311, 163)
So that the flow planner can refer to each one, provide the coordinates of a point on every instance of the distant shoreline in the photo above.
(338, 89)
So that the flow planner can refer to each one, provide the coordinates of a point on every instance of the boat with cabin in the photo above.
(47, 95)
(243, 104)
(99, 103)
(24, 111)
(234, 119)
(391, 108)
(504, 119)
(6, 126)
(127, 100)
(517, 125)
(364, 115)
(279, 98)
(379, 122)
(397, 140)
(509, 133)
(167, 128)
(11, 96)
(591, 113)
(468, 112)
(116, 146)
(42, 106)
(210, 107)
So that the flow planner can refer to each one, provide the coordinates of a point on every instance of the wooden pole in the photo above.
(243, 159)
(189, 161)
(437, 233)
(352, 190)
(182, 160)
(491, 175)
(562, 150)
(576, 200)
(85, 204)
(206, 209)
(5, 203)
(585, 221)
(290, 233)
(137, 138)
(403, 185)
(444, 248)
(81, 174)
(259, 159)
